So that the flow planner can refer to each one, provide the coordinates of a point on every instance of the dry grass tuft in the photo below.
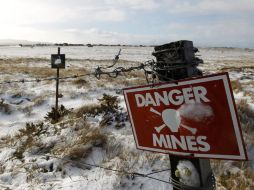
(7, 141)
(243, 180)
(80, 145)
(107, 104)
(4, 107)
(88, 110)
(113, 148)
(40, 71)
(80, 83)
(245, 112)
(236, 86)
(238, 68)
(246, 115)
(92, 136)
(19, 60)
(242, 177)
(26, 138)
(76, 139)
(78, 152)
(38, 101)
(232, 175)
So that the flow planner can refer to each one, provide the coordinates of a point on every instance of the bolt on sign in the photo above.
(194, 117)
(57, 61)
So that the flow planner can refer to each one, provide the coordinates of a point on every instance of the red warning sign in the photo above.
(195, 117)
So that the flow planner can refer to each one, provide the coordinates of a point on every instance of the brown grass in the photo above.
(92, 109)
(239, 68)
(236, 86)
(243, 180)
(243, 62)
(19, 60)
(41, 71)
(80, 83)
(7, 141)
(38, 101)
(26, 137)
(82, 141)
(246, 114)
(5, 107)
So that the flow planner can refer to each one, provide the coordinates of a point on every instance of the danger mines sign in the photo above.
(195, 117)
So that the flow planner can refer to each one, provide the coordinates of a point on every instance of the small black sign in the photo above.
(58, 61)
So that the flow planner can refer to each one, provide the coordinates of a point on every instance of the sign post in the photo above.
(183, 53)
(189, 118)
(57, 62)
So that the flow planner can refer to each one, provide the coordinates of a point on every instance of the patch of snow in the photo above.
(188, 174)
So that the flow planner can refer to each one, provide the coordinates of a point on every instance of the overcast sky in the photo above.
(205, 22)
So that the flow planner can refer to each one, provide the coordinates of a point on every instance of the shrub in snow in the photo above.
(54, 115)
(109, 103)
(110, 110)
(26, 138)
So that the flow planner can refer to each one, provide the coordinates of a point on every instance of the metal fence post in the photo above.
(57, 87)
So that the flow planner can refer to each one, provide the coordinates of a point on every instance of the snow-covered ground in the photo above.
(36, 153)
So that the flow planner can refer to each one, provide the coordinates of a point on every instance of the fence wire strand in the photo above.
(148, 67)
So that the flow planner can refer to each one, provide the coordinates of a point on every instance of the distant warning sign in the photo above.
(195, 117)
(58, 61)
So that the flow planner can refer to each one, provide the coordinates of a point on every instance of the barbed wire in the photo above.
(176, 184)
(149, 67)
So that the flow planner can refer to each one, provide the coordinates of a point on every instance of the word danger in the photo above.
(190, 143)
(174, 97)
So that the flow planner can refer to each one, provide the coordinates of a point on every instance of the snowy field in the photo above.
(38, 153)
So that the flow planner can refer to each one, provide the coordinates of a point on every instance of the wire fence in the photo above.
(133, 174)
(150, 68)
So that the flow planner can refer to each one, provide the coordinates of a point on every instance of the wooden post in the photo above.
(181, 53)
(57, 87)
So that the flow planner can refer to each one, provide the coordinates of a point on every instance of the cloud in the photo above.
(201, 7)
(206, 22)
(95, 35)
(18, 12)
(135, 4)
(216, 33)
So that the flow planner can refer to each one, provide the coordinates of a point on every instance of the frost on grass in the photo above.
(239, 174)
(74, 140)
(97, 130)
(5, 108)
(108, 108)
(246, 116)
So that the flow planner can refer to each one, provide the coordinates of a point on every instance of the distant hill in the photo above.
(16, 42)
